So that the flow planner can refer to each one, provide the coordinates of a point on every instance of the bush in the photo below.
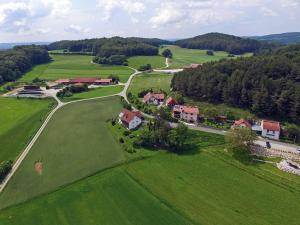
(5, 168)
(121, 140)
(210, 52)
(126, 133)
(145, 67)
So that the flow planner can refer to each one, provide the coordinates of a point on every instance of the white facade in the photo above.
(270, 134)
(134, 123)
(189, 117)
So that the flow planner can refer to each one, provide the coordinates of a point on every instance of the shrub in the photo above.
(126, 133)
(121, 140)
(5, 168)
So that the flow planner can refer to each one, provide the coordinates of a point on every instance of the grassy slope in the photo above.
(184, 56)
(155, 61)
(20, 119)
(72, 66)
(98, 92)
(74, 144)
(150, 80)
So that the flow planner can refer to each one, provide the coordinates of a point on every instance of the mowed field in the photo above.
(94, 93)
(72, 66)
(19, 120)
(183, 56)
(156, 81)
(206, 185)
(74, 144)
(156, 62)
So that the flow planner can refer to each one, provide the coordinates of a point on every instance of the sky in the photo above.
(52, 20)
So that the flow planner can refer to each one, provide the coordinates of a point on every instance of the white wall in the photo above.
(270, 134)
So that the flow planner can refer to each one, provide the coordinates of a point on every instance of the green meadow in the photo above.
(72, 66)
(183, 56)
(19, 120)
(75, 144)
(156, 62)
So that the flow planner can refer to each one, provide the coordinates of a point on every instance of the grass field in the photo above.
(97, 92)
(184, 56)
(155, 61)
(19, 120)
(206, 185)
(74, 145)
(72, 66)
(156, 81)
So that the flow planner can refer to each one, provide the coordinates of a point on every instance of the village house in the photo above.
(154, 98)
(170, 102)
(187, 113)
(270, 129)
(193, 66)
(30, 91)
(86, 80)
(130, 119)
(242, 123)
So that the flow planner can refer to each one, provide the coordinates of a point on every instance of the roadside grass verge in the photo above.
(74, 144)
(19, 121)
(72, 66)
(156, 62)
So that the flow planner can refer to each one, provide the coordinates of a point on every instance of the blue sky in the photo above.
(50, 20)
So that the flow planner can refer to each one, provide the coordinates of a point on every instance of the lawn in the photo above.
(74, 144)
(184, 56)
(155, 61)
(72, 66)
(93, 93)
(19, 120)
(156, 81)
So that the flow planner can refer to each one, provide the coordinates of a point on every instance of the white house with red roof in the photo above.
(187, 113)
(154, 98)
(131, 120)
(270, 129)
(170, 102)
(242, 123)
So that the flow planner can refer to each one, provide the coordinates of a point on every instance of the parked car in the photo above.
(298, 150)
(268, 145)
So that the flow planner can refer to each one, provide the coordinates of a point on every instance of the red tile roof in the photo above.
(157, 96)
(170, 101)
(103, 81)
(61, 81)
(84, 80)
(186, 109)
(128, 116)
(240, 122)
(193, 66)
(270, 125)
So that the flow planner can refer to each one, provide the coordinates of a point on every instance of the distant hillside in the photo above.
(11, 45)
(285, 38)
(222, 42)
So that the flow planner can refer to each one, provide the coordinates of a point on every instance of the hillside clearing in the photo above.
(156, 62)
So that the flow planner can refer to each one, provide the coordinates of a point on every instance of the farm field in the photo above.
(74, 144)
(97, 92)
(72, 66)
(155, 61)
(156, 81)
(19, 120)
(207, 185)
(183, 56)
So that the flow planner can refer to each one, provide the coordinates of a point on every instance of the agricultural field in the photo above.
(75, 144)
(93, 93)
(72, 66)
(19, 120)
(156, 62)
(156, 81)
(205, 185)
(183, 56)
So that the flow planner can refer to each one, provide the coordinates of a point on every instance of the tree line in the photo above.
(223, 42)
(15, 62)
(268, 85)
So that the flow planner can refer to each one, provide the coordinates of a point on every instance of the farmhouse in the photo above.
(242, 123)
(270, 129)
(170, 102)
(86, 80)
(187, 113)
(129, 119)
(154, 98)
(193, 67)
(30, 91)
(103, 82)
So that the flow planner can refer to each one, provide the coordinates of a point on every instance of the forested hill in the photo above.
(15, 62)
(223, 42)
(106, 47)
(268, 85)
(285, 38)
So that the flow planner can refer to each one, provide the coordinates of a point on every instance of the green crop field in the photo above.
(97, 92)
(207, 185)
(184, 56)
(156, 81)
(74, 144)
(19, 120)
(72, 66)
(155, 61)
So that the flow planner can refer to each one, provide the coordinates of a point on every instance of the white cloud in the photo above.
(77, 29)
(129, 6)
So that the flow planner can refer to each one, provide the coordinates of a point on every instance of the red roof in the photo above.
(84, 80)
(61, 81)
(128, 116)
(170, 101)
(157, 96)
(103, 81)
(270, 125)
(193, 66)
(242, 122)
(186, 109)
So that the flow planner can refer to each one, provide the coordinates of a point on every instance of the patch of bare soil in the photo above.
(38, 166)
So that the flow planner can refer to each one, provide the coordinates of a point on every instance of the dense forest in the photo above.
(285, 38)
(268, 85)
(15, 62)
(223, 42)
